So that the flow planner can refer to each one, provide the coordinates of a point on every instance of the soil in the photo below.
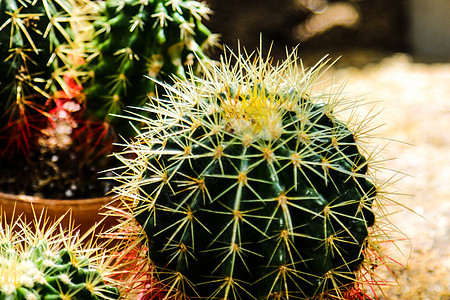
(414, 106)
(54, 175)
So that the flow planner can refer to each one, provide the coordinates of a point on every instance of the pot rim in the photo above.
(50, 202)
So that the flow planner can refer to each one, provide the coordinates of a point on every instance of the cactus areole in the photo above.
(249, 187)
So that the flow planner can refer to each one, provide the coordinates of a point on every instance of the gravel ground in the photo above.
(414, 99)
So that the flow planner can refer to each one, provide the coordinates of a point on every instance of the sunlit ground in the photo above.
(414, 99)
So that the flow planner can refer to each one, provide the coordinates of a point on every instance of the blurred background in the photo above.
(333, 26)
(396, 57)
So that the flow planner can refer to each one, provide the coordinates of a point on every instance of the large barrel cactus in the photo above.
(137, 38)
(249, 186)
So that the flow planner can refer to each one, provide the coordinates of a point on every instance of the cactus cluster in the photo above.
(249, 186)
(38, 262)
(69, 65)
(134, 39)
(105, 49)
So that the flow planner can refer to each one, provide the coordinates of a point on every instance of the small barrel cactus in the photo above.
(39, 262)
(137, 38)
(249, 186)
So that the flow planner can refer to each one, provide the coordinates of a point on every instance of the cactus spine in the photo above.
(40, 42)
(137, 38)
(248, 186)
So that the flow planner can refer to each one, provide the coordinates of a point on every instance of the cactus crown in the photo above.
(247, 184)
(40, 261)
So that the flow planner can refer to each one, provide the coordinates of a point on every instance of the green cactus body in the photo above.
(43, 274)
(36, 44)
(32, 34)
(134, 39)
(247, 187)
(43, 264)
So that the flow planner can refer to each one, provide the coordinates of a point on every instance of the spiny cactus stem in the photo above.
(247, 169)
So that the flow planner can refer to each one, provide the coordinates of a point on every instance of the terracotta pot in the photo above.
(84, 212)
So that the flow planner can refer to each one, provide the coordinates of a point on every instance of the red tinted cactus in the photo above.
(38, 41)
